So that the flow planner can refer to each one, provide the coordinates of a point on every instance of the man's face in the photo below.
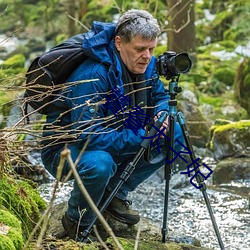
(137, 53)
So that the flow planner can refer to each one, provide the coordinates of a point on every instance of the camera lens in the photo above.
(182, 63)
(171, 65)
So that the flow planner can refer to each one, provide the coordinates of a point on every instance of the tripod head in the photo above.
(174, 89)
(171, 65)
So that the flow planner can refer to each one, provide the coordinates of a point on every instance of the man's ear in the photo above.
(118, 42)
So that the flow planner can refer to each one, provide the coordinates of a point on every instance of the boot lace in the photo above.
(127, 203)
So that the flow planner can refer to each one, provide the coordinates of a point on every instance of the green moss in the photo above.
(236, 125)
(219, 102)
(9, 219)
(242, 84)
(13, 71)
(16, 237)
(228, 45)
(21, 199)
(225, 75)
(212, 100)
(6, 243)
(174, 246)
(13, 239)
(16, 61)
(220, 132)
(128, 244)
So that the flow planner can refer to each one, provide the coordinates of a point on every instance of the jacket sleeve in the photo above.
(89, 116)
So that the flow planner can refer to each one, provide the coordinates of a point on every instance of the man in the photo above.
(124, 83)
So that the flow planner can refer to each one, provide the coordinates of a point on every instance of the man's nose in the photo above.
(146, 54)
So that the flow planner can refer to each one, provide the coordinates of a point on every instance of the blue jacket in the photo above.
(88, 118)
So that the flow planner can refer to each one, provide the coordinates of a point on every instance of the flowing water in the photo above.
(187, 211)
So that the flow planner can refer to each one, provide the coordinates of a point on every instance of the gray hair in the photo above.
(137, 22)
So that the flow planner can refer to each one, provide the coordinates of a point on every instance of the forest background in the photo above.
(214, 33)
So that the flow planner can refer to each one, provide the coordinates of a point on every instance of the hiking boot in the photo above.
(75, 231)
(121, 211)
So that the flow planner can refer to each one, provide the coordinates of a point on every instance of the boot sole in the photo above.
(121, 219)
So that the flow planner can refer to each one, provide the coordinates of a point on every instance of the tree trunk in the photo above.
(71, 6)
(181, 27)
(83, 7)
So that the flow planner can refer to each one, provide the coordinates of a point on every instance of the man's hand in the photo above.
(165, 124)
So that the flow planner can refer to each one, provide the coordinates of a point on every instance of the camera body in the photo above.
(171, 65)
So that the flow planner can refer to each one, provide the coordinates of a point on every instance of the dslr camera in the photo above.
(171, 65)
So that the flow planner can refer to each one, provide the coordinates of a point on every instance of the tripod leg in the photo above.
(168, 173)
(129, 169)
(199, 178)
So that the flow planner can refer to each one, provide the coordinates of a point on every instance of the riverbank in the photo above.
(188, 215)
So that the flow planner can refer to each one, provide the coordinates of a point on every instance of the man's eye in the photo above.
(139, 50)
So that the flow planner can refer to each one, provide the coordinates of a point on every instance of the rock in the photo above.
(228, 110)
(149, 238)
(206, 109)
(231, 139)
(231, 169)
(197, 125)
(189, 96)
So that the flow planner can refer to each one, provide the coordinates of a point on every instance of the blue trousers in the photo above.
(100, 170)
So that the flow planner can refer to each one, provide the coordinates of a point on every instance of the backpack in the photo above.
(47, 73)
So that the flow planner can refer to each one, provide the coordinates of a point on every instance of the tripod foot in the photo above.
(164, 232)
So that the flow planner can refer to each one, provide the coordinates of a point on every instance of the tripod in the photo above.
(129, 169)
(173, 90)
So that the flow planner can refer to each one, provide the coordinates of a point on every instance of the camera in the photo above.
(171, 65)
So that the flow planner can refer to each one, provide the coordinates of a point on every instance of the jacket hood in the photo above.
(98, 43)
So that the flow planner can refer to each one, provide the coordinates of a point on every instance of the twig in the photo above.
(99, 238)
(77, 21)
(66, 154)
(137, 236)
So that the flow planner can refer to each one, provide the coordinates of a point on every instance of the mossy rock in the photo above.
(13, 70)
(242, 85)
(11, 237)
(231, 139)
(220, 24)
(16, 61)
(22, 200)
(150, 235)
(128, 244)
(219, 107)
(225, 75)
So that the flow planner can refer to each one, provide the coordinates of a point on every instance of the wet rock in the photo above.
(149, 233)
(197, 125)
(232, 169)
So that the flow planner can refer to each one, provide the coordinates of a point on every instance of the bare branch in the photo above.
(66, 154)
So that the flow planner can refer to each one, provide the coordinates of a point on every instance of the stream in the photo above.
(187, 212)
